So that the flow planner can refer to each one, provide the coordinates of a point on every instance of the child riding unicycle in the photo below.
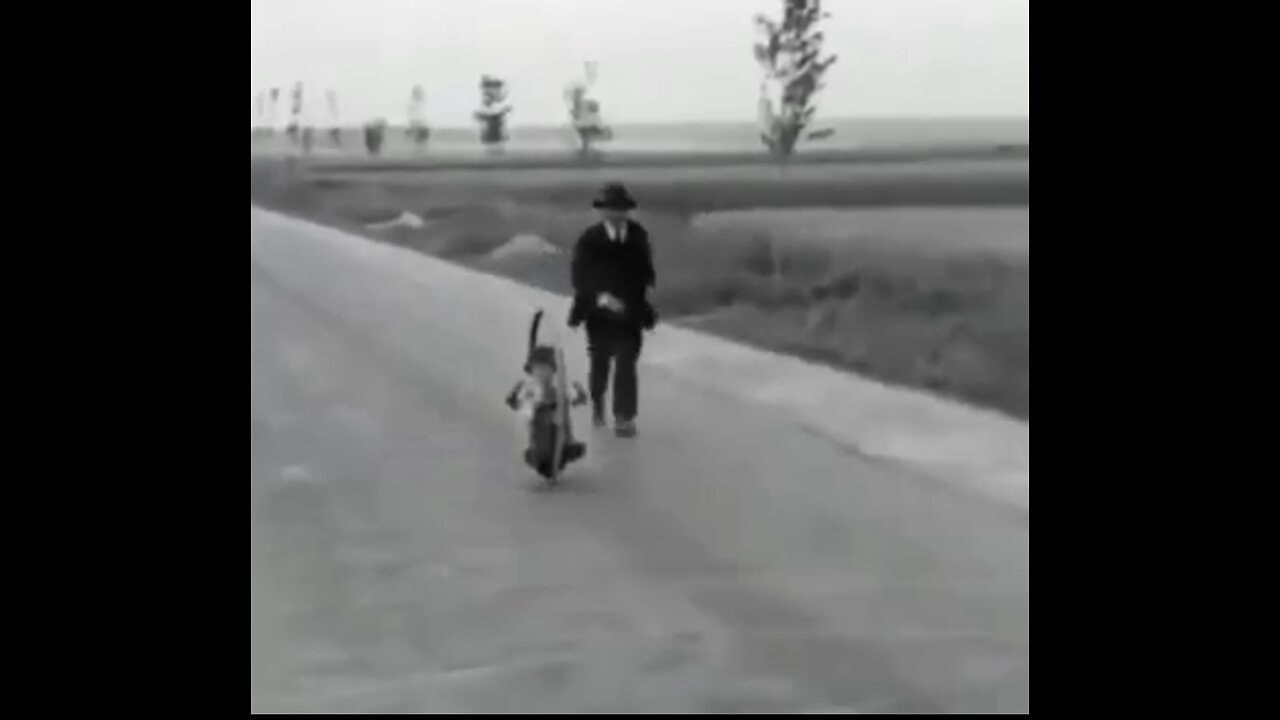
(542, 398)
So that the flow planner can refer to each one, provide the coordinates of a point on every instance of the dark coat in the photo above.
(624, 270)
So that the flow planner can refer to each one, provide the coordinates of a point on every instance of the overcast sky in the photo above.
(659, 60)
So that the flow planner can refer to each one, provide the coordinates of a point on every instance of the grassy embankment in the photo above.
(915, 275)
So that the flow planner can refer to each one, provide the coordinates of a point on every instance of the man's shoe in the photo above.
(597, 415)
(625, 428)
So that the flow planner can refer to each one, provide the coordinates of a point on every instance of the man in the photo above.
(612, 273)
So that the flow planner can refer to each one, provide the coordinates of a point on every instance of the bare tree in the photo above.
(260, 116)
(273, 111)
(335, 130)
(418, 131)
(493, 112)
(790, 53)
(294, 129)
(584, 112)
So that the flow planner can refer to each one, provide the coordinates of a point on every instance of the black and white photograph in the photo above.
(640, 356)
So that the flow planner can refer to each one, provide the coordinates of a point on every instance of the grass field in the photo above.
(916, 274)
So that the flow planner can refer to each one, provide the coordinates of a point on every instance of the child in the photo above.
(536, 398)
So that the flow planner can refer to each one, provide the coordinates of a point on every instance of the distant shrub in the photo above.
(375, 132)
(493, 112)
(417, 129)
(584, 113)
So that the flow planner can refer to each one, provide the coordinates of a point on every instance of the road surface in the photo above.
(724, 561)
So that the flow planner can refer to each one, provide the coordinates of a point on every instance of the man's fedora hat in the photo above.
(614, 196)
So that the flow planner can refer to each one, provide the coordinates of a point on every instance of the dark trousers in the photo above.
(614, 343)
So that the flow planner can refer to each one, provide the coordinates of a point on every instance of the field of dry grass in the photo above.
(914, 274)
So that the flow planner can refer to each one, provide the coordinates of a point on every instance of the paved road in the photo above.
(724, 561)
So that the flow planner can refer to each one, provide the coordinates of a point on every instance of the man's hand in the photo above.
(609, 302)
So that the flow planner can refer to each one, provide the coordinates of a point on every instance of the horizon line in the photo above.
(686, 123)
